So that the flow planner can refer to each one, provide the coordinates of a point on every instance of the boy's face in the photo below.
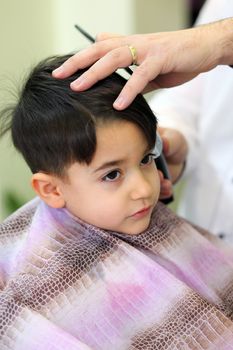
(118, 190)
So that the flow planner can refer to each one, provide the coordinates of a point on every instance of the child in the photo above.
(97, 262)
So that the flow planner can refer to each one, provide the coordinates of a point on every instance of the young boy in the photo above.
(97, 262)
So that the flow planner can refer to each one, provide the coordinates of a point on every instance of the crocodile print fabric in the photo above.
(68, 285)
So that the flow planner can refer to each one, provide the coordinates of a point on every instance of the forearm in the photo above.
(228, 42)
(222, 34)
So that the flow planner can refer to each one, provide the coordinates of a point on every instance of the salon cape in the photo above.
(202, 110)
(68, 285)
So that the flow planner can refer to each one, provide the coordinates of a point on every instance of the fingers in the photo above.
(165, 140)
(175, 149)
(109, 63)
(175, 146)
(166, 189)
(76, 62)
(139, 80)
(105, 57)
(86, 57)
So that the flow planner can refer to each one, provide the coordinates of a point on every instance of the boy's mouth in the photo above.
(141, 213)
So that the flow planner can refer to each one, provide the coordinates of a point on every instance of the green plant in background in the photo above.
(12, 202)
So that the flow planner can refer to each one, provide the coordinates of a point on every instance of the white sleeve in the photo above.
(214, 10)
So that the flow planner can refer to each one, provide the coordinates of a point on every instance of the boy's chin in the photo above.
(137, 230)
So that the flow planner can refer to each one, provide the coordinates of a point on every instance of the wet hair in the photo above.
(53, 126)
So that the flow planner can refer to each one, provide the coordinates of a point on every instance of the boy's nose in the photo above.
(141, 187)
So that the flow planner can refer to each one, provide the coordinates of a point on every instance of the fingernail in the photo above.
(119, 103)
(77, 83)
(58, 71)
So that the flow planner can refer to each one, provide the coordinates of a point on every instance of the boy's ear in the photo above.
(48, 189)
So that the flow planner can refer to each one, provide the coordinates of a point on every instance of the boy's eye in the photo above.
(112, 176)
(148, 159)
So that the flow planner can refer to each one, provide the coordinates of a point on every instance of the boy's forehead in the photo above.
(118, 143)
(119, 139)
(119, 131)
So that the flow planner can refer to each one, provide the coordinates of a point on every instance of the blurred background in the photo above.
(31, 30)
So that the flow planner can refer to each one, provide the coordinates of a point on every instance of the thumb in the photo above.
(165, 136)
(175, 144)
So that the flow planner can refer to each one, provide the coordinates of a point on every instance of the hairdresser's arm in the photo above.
(163, 59)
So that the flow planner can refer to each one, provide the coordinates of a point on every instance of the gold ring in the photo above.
(133, 52)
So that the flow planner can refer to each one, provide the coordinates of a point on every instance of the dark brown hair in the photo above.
(53, 126)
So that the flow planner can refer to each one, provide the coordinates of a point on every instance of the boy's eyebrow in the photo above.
(109, 164)
(118, 161)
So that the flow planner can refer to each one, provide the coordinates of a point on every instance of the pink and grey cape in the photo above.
(68, 285)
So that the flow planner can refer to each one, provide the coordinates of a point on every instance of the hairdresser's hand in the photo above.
(163, 59)
(175, 149)
(166, 189)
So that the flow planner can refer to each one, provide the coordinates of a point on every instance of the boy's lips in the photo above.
(141, 213)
